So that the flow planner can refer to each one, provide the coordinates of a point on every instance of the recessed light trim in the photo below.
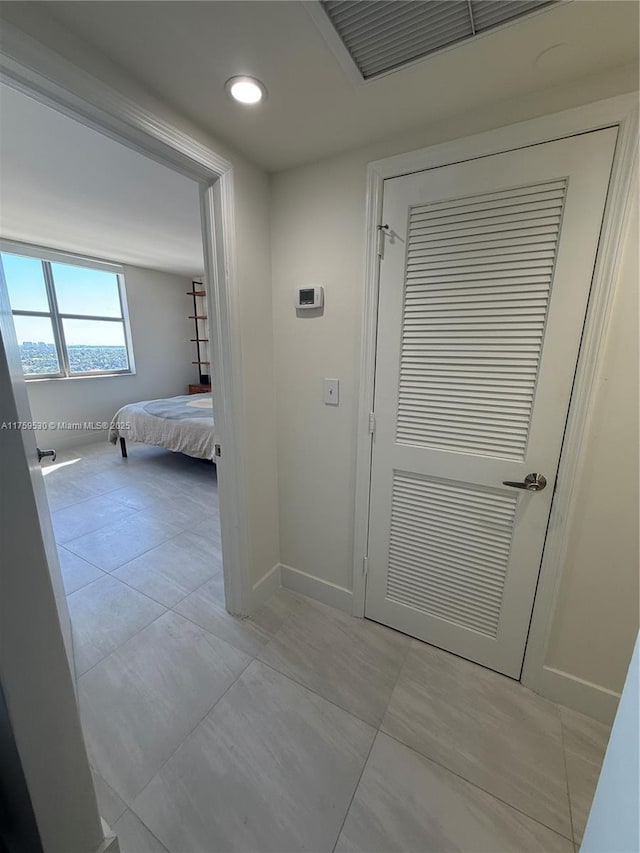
(246, 90)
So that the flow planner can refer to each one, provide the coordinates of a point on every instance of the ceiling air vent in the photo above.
(384, 35)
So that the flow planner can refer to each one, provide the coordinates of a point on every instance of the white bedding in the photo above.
(182, 424)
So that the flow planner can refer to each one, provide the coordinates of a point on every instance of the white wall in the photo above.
(614, 823)
(600, 581)
(158, 311)
(318, 223)
(254, 270)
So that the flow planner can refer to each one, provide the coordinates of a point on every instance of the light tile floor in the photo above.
(300, 729)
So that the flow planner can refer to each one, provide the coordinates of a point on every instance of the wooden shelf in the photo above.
(198, 290)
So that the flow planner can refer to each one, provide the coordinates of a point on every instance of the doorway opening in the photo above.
(103, 265)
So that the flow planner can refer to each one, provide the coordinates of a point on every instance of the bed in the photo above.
(182, 424)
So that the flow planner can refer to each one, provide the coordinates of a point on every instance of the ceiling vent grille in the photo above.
(384, 35)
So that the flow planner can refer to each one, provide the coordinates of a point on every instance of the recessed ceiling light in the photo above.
(246, 90)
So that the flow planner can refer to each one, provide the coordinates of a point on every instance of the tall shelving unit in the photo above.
(201, 339)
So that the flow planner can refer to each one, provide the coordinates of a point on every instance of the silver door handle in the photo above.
(43, 453)
(532, 483)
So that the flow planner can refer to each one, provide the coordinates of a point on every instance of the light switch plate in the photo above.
(331, 392)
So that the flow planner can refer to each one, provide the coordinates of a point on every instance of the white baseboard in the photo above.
(109, 843)
(566, 689)
(316, 588)
(265, 587)
(70, 439)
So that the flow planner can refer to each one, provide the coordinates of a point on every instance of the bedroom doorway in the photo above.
(125, 427)
(122, 666)
(211, 196)
(158, 528)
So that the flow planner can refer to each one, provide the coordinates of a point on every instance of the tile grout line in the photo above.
(142, 554)
(86, 500)
(155, 619)
(375, 726)
(255, 658)
(118, 647)
(355, 716)
(229, 642)
(144, 627)
(375, 737)
(129, 806)
(566, 779)
(475, 785)
(124, 583)
(355, 790)
(133, 509)
(138, 818)
(189, 733)
(193, 592)
(400, 671)
(479, 787)
(116, 568)
(282, 675)
(153, 600)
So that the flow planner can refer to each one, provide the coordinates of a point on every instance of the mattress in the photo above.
(182, 424)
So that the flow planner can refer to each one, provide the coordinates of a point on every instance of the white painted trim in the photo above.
(364, 441)
(623, 112)
(218, 206)
(42, 74)
(624, 182)
(334, 42)
(71, 90)
(110, 843)
(30, 250)
(266, 587)
(317, 588)
(606, 113)
(584, 696)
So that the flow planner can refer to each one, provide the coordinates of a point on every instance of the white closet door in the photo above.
(484, 286)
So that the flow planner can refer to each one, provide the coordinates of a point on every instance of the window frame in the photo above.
(47, 257)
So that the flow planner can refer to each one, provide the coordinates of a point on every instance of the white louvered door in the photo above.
(484, 286)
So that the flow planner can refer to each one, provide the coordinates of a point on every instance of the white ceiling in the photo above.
(185, 51)
(66, 186)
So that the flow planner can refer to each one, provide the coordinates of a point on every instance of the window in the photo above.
(69, 318)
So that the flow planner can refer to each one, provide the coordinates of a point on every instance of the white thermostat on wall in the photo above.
(310, 297)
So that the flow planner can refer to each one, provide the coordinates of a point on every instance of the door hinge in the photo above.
(372, 423)
(218, 451)
(365, 566)
(382, 231)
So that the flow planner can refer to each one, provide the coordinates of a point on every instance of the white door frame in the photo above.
(620, 111)
(71, 91)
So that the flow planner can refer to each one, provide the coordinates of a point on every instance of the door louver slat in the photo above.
(491, 13)
(448, 32)
(407, 29)
(448, 552)
(385, 35)
(482, 314)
